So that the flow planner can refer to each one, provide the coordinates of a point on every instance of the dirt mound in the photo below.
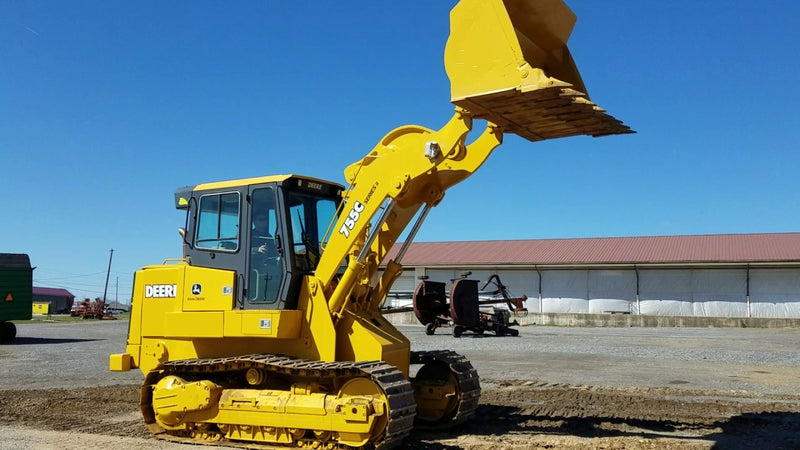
(109, 410)
(512, 415)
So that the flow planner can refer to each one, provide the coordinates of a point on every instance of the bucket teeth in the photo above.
(545, 113)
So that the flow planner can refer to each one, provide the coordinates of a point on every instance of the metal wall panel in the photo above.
(665, 292)
(775, 293)
(565, 291)
(719, 292)
(611, 291)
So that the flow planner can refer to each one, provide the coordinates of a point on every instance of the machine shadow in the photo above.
(21, 340)
(779, 430)
(473, 335)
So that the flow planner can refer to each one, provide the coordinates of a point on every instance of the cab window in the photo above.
(218, 224)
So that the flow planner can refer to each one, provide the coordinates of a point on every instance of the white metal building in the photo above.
(748, 275)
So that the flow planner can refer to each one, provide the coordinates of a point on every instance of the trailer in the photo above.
(16, 293)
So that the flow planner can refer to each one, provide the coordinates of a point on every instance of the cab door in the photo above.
(214, 229)
(265, 249)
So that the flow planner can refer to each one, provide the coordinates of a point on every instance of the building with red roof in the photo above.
(741, 275)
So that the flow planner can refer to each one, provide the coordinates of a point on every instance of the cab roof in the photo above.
(183, 194)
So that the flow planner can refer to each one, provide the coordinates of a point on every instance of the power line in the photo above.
(70, 276)
(71, 289)
(89, 287)
(71, 283)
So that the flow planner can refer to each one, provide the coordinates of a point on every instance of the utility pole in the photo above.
(108, 272)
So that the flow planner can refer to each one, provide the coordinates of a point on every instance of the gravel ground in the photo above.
(76, 354)
(602, 388)
(764, 361)
(63, 355)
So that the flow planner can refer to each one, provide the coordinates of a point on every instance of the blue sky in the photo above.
(109, 106)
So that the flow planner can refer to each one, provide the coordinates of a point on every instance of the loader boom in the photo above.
(523, 81)
(411, 167)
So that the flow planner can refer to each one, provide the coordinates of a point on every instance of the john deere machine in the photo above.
(268, 331)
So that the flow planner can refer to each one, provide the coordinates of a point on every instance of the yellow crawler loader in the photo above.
(268, 331)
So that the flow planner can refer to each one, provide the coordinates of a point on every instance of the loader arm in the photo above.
(412, 166)
(508, 63)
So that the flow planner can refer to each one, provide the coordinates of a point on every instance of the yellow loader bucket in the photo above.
(508, 63)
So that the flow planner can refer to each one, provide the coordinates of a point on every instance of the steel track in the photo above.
(391, 381)
(397, 389)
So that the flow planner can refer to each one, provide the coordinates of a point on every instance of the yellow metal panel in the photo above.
(159, 289)
(134, 350)
(208, 289)
(120, 362)
(153, 351)
(283, 324)
(193, 324)
(372, 339)
(41, 308)
(318, 331)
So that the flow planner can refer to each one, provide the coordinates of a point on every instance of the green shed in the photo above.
(16, 292)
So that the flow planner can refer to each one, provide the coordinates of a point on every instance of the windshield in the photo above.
(310, 215)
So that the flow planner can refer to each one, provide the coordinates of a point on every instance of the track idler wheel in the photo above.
(436, 392)
(361, 396)
(173, 398)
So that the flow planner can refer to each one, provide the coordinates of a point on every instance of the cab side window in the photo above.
(218, 224)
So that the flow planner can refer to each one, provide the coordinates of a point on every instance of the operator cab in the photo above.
(270, 231)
